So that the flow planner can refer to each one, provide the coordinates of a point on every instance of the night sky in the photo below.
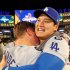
(33, 4)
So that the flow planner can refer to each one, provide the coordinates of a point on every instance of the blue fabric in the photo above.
(44, 62)
(49, 62)
(28, 67)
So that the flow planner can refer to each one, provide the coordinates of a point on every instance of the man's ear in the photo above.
(56, 27)
(29, 31)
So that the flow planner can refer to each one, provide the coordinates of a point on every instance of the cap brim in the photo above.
(37, 13)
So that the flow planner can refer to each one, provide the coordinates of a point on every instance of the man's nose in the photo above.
(41, 23)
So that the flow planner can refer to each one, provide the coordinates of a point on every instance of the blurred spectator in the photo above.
(1, 53)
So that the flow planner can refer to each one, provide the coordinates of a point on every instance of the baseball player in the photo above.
(54, 48)
(47, 28)
(23, 46)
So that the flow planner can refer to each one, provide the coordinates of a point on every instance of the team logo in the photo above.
(29, 18)
(4, 19)
(54, 46)
(46, 9)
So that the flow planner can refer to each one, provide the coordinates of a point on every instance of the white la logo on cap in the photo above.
(57, 20)
(46, 9)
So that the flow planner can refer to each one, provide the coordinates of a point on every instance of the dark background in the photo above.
(11, 5)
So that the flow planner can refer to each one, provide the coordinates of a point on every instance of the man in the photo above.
(23, 47)
(53, 46)
(46, 28)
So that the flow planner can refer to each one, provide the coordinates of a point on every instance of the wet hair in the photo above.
(21, 27)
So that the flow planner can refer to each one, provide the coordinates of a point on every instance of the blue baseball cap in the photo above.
(50, 12)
